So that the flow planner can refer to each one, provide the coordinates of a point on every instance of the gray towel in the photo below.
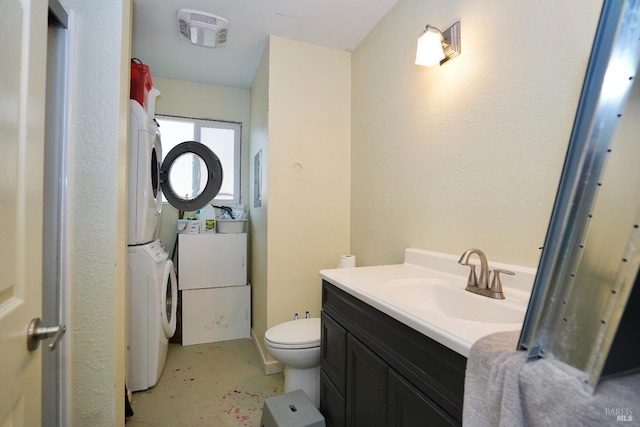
(502, 389)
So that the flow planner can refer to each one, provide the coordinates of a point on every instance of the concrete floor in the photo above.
(218, 385)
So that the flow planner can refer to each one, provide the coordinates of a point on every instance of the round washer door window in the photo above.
(190, 176)
(169, 300)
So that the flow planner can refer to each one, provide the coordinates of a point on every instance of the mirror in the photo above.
(591, 253)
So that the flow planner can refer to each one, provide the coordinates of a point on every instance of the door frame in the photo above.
(56, 366)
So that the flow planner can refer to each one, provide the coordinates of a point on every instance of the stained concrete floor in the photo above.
(211, 385)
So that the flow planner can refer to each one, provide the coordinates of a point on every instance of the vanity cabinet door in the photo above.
(333, 349)
(366, 386)
(333, 376)
(332, 404)
(376, 371)
(408, 407)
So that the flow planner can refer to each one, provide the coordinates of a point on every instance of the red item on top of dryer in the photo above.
(140, 82)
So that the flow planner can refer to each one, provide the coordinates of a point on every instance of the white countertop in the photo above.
(374, 285)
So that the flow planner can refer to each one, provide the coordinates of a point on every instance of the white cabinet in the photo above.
(216, 314)
(212, 260)
(212, 278)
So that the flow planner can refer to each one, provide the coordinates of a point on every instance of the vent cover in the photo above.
(202, 28)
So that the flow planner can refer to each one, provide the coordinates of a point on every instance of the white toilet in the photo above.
(296, 344)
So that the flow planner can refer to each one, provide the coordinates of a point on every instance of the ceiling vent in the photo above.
(202, 28)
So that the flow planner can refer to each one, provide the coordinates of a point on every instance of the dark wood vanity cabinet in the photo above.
(366, 386)
(376, 371)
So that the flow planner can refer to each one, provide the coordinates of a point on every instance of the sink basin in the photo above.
(448, 298)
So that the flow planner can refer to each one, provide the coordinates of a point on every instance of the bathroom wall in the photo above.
(468, 154)
(258, 269)
(301, 121)
(97, 189)
(201, 101)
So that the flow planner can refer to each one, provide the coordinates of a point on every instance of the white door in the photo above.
(23, 38)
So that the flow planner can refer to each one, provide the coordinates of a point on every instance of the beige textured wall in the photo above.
(97, 190)
(468, 154)
(122, 218)
(258, 237)
(308, 174)
(201, 101)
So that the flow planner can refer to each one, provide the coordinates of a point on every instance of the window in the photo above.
(223, 138)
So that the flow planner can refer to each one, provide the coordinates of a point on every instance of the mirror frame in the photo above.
(579, 280)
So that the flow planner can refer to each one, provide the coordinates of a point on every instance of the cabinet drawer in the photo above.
(333, 351)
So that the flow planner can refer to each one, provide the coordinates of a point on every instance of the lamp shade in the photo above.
(430, 51)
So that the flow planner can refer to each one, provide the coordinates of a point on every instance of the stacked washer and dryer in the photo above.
(153, 291)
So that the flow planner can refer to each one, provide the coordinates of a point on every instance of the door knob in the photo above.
(36, 333)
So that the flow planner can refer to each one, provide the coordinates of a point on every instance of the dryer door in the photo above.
(169, 299)
(190, 176)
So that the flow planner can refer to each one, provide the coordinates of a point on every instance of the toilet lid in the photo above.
(303, 333)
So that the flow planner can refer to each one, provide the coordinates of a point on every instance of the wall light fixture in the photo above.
(436, 47)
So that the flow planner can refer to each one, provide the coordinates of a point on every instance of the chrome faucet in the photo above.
(480, 285)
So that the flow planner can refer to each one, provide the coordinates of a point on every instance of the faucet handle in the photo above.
(472, 281)
(496, 283)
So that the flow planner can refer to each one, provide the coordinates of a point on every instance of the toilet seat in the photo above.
(294, 334)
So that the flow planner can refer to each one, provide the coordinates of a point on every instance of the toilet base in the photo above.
(307, 380)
